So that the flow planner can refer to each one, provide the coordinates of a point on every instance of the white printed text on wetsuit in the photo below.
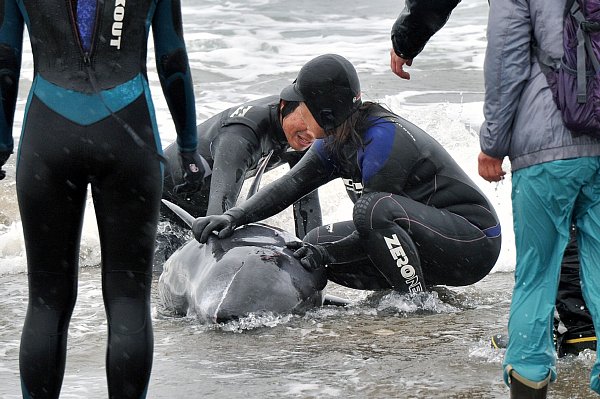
(117, 26)
(407, 271)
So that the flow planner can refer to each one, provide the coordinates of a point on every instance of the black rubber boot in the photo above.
(522, 388)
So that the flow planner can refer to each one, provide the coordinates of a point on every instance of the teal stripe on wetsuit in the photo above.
(87, 109)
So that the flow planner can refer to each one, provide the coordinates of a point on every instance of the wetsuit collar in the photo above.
(278, 133)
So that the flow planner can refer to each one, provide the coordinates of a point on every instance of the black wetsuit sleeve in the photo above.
(307, 210)
(418, 21)
(233, 155)
(304, 177)
(174, 71)
(11, 42)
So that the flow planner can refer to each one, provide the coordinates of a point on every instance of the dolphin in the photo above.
(251, 271)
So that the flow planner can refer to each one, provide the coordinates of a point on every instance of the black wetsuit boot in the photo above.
(522, 388)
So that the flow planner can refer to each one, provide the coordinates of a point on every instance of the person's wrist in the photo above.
(235, 215)
(324, 252)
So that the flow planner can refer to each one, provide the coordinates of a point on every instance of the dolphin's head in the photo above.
(250, 272)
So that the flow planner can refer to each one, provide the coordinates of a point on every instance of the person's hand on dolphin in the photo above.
(222, 225)
(312, 257)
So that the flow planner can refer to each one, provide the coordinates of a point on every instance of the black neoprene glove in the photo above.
(312, 257)
(195, 169)
(3, 158)
(223, 225)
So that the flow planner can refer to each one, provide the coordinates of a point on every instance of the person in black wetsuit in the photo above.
(90, 120)
(418, 219)
(234, 143)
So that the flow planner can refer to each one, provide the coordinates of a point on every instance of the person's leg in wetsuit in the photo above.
(52, 191)
(407, 246)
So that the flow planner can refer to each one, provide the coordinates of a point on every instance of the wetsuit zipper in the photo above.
(86, 55)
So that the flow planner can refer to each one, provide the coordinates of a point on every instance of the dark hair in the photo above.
(350, 132)
(288, 108)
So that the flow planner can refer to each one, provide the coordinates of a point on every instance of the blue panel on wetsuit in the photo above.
(86, 109)
(380, 140)
(86, 13)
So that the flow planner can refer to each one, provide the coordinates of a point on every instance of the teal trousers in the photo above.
(545, 198)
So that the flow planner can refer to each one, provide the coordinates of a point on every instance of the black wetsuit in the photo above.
(234, 142)
(417, 215)
(90, 120)
(418, 21)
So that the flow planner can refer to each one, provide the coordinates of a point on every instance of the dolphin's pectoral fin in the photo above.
(332, 300)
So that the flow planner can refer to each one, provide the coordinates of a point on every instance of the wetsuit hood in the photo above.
(330, 88)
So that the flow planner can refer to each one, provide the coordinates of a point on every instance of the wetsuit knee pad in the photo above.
(366, 217)
(127, 301)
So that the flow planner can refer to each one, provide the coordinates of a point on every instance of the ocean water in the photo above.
(383, 345)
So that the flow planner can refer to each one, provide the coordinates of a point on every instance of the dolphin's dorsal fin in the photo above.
(179, 211)
(259, 172)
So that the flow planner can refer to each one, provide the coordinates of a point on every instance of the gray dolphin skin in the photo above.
(251, 271)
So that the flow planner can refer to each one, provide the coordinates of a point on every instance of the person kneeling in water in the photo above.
(418, 219)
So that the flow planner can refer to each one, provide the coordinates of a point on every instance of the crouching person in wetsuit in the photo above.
(234, 143)
(90, 121)
(418, 219)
